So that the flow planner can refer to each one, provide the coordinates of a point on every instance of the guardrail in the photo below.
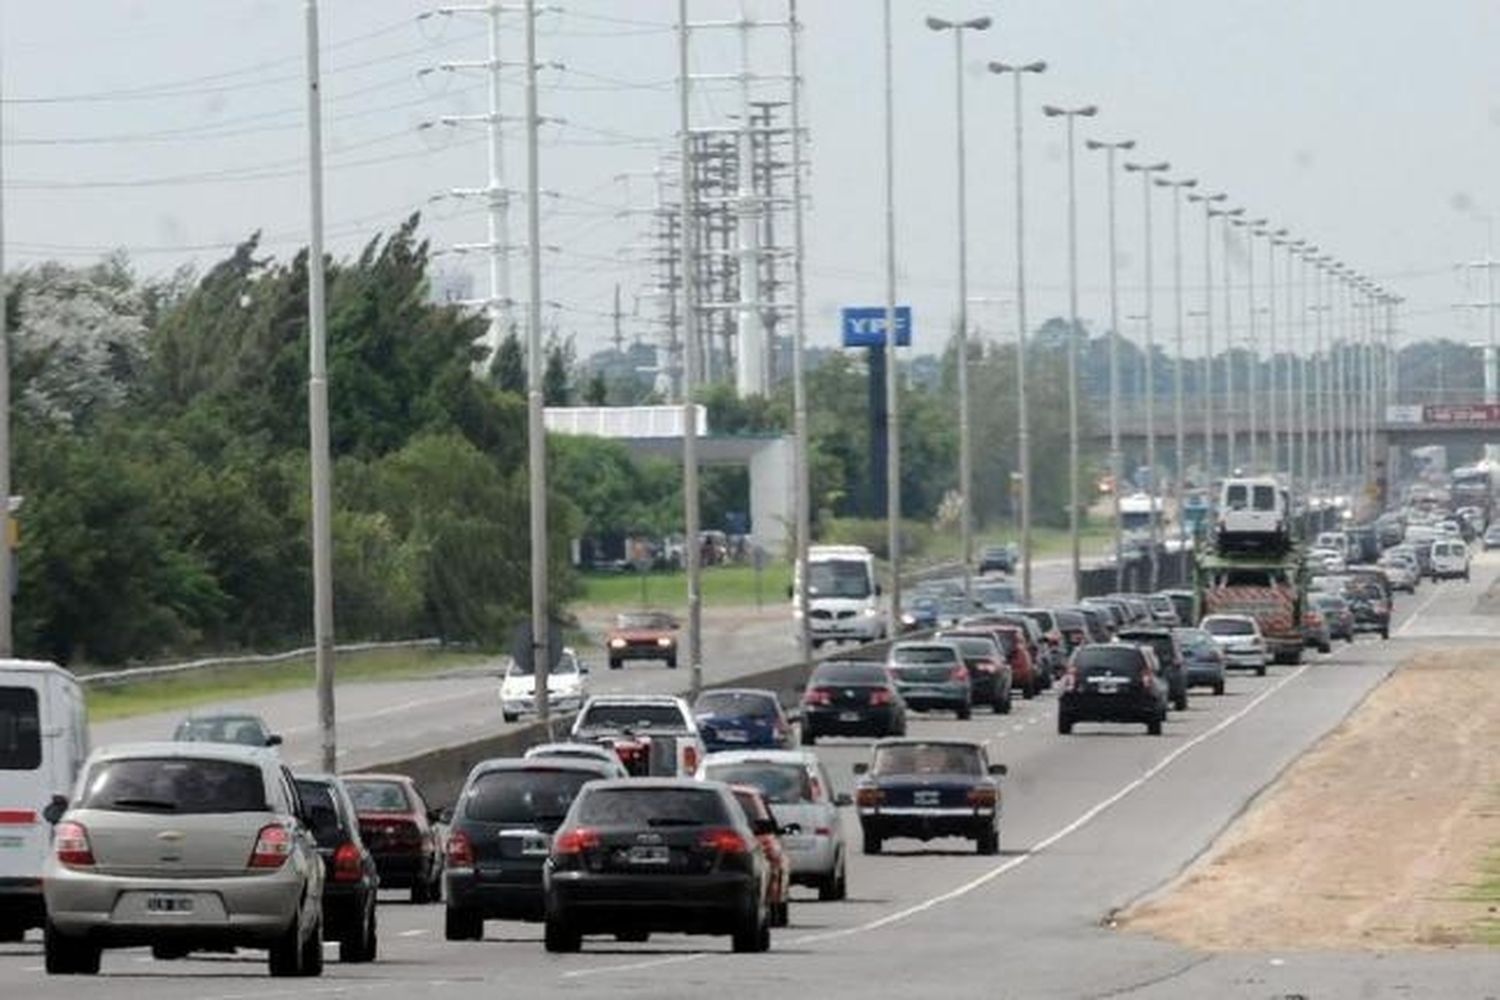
(128, 675)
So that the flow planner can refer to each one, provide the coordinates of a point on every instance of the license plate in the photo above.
(649, 855)
(848, 716)
(535, 846)
(1106, 685)
(925, 798)
(169, 904)
(732, 735)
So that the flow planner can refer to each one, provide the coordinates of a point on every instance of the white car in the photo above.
(1240, 639)
(1401, 572)
(578, 751)
(801, 796)
(1327, 560)
(1450, 559)
(567, 687)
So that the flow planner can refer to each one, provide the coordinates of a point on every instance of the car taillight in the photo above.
(818, 696)
(959, 673)
(880, 696)
(460, 850)
(1070, 679)
(347, 863)
(983, 798)
(273, 845)
(689, 759)
(985, 666)
(1146, 677)
(577, 841)
(70, 845)
(815, 789)
(823, 831)
(868, 797)
(724, 840)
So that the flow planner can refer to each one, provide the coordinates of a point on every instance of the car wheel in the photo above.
(1326, 647)
(285, 958)
(11, 932)
(1064, 724)
(1218, 687)
(1180, 702)
(809, 738)
(965, 713)
(1001, 705)
(1260, 671)
(1153, 727)
(168, 952)
(614, 664)
(836, 886)
(312, 953)
(872, 843)
(671, 663)
(67, 956)
(510, 716)
(989, 842)
(462, 924)
(560, 936)
(1028, 691)
(752, 934)
(372, 935)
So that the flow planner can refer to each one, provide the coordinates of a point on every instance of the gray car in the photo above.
(184, 846)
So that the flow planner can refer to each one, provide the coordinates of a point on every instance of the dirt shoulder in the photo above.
(1376, 838)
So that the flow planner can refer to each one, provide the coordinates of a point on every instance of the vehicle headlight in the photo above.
(617, 643)
(664, 640)
(872, 612)
(908, 619)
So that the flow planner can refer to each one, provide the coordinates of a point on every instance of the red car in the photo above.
(397, 827)
(642, 635)
(1024, 676)
(754, 803)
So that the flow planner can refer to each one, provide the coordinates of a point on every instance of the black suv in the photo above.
(1112, 682)
(1169, 660)
(350, 882)
(500, 834)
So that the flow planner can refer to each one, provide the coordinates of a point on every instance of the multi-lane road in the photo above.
(1092, 822)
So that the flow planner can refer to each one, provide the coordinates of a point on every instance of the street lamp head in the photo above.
(1121, 145)
(1187, 183)
(996, 66)
(1040, 66)
(938, 24)
(978, 23)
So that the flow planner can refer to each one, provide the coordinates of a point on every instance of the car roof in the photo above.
(1228, 617)
(543, 763)
(897, 741)
(761, 757)
(759, 692)
(648, 784)
(377, 776)
(636, 699)
(177, 748)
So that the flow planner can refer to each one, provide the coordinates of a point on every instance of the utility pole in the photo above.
(690, 369)
(7, 553)
(1146, 170)
(801, 472)
(751, 370)
(1179, 432)
(1209, 212)
(892, 382)
(317, 408)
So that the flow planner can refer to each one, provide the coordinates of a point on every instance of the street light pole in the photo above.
(799, 342)
(892, 404)
(7, 559)
(688, 228)
(1252, 229)
(1208, 201)
(1023, 410)
(1116, 459)
(1146, 170)
(1074, 499)
(965, 447)
(1274, 414)
(1178, 431)
(1231, 423)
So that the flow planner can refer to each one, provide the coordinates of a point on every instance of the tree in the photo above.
(508, 370)
(596, 393)
(556, 389)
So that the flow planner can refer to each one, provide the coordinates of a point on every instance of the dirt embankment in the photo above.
(1374, 839)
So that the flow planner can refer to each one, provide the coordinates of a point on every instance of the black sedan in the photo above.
(1112, 682)
(927, 789)
(851, 698)
(350, 882)
(642, 855)
(500, 834)
(1164, 643)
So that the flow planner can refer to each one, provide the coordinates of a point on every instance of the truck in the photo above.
(1269, 588)
(843, 597)
(653, 735)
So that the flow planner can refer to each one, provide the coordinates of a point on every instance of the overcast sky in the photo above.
(171, 128)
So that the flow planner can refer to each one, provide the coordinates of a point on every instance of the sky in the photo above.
(173, 128)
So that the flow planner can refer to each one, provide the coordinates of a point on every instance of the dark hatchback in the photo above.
(851, 698)
(644, 855)
(500, 836)
(931, 676)
(1168, 658)
(1368, 592)
(350, 880)
(989, 667)
(1112, 682)
(1202, 659)
(741, 718)
(925, 789)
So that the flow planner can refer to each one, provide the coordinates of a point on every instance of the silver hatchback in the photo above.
(182, 846)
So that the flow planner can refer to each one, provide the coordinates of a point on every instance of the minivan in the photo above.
(1450, 559)
(43, 742)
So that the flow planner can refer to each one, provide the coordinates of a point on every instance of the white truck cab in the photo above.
(44, 740)
(843, 597)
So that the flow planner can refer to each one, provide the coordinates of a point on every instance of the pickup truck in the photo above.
(653, 735)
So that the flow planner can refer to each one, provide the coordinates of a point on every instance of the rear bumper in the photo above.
(927, 824)
(343, 909)
(1205, 675)
(402, 871)
(514, 895)
(691, 904)
(876, 721)
(1108, 708)
(936, 699)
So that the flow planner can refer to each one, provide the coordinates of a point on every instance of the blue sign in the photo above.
(864, 326)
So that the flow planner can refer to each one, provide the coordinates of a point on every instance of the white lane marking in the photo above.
(1406, 625)
(418, 932)
(390, 710)
(1011, 865)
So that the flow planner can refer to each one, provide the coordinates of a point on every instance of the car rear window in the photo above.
(636, 807)
(779, 783)
(924, 654)
(849, 673)
(225, 729)
(322, 813)
(526, 796)
(973, 646)
(178, 785)
(927, 758)
(997, 594)
(1117, 661)
(1227, 626)
(20, 729)
(646, 716)
(742, 703)
(379, 796)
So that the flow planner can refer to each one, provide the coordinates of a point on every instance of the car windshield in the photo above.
(849, 673)
(779, 783)
(736, 703)
(1228, 626)
(645, 621)
(179, 785)
(848, 578)
(1120, 661)
(1197, 643)
(630, 716)
(927, 758)
(378, 796)
(649, 807)
(524, 796)
(913, 655)
(243, 730)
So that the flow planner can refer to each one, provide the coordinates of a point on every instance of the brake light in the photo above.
(1070, 679)
(1146, 677)
(577, 841)
(823, 831)
(347, 863)
(815, 788)
(959, 673)
(724, 840)
(868, 797)
(689, 759)
(273, 845)
(460, 850)
(985, 666)
(818, 696)
(983, 797)
(880, 696)
(70, 845)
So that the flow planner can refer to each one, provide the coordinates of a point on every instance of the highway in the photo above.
(1092, 822)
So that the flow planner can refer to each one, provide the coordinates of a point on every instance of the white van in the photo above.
(843, 599)
(1450, 559)
(44, 739)
(1254, 515)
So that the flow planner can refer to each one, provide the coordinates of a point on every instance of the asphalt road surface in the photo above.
(392, 720)
(1092, 822)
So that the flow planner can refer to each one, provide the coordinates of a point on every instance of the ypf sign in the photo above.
(864, 326)
(1461, 413)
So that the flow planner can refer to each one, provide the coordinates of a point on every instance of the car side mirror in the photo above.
(274, 740)
(765, 828)
(861, 768)
(55, 809)
(436, 815)
(999, 770)
(843, 799)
